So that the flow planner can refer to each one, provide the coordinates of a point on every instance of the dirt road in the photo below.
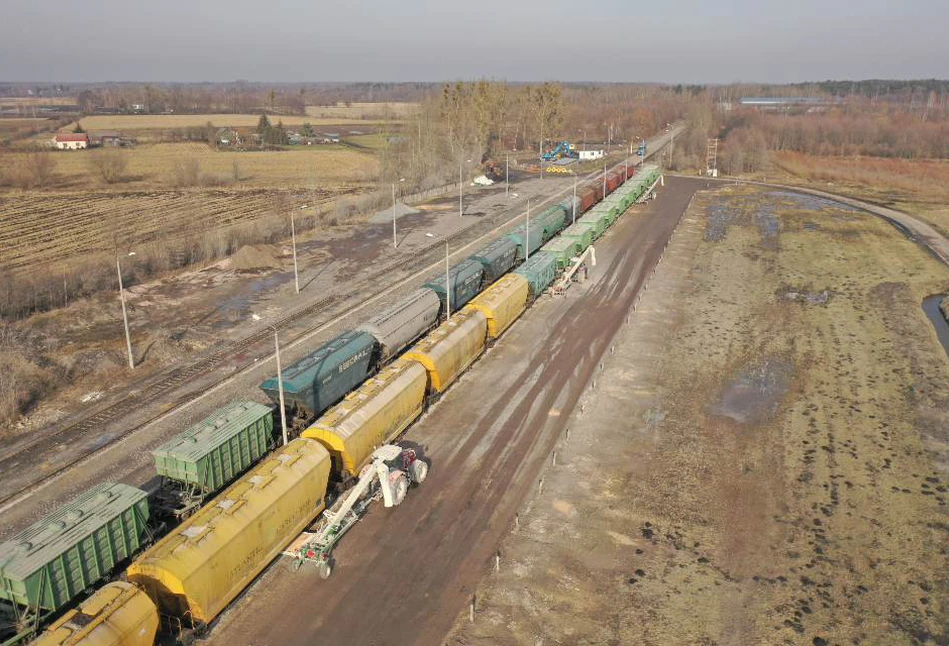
(402, 576)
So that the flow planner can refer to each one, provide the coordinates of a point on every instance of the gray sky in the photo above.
(690, 41)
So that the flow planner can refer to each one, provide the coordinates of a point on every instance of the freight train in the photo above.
(356, 392)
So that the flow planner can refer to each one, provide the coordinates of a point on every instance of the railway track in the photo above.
(177, 377)
(14, 457)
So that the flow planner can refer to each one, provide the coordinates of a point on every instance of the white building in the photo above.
(588, 155)
(71, 140)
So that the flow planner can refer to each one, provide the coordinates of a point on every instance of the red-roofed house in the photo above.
(71, 140)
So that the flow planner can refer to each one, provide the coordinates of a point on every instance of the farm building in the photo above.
(71, 140)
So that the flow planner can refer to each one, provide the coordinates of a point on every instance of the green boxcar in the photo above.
(581, 232)
(540, 271)
(599, 220)
(563, 249)
(47, 565)
(209, 455)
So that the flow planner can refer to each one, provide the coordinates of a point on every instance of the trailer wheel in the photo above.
(419, 471)
(325, 569)
(399, 488)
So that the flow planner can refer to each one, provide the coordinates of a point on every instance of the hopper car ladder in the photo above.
(388, 477)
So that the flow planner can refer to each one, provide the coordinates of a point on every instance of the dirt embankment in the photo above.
(765, 459)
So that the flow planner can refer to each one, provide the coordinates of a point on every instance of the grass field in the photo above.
(152, 166)
(363, 110)
(919, 187)
(780, 473)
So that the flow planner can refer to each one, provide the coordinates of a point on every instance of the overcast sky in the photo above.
(689, 41)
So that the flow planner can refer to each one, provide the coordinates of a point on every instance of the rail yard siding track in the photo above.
(179, 376)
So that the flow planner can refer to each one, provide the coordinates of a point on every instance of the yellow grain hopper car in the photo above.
(449, 349)
(204, 563)
(119, 614)
(371, 415)
(502, 303)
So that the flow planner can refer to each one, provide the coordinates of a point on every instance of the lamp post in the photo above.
(293, 239)
(447, 280)
(527, 232)
(395, 239)
(507, 174)
(574, 200)
(125, 318)
(283, 411)
(461, 185)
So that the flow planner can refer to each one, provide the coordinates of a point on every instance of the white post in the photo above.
(574, 199)
(507, 174)
(395, 240)
(293, 237)
(527, 231)
(604, 179)
(283, 412)
(125, 318)
(447, 286)
(461, 211)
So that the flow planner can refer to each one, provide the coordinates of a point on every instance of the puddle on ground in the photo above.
(755, 394)
(237, 307)
(938, 320)
(810, 202)
(720, 217)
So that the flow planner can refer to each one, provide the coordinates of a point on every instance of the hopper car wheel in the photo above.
(399, 488)
(325, 569)
(419, 471)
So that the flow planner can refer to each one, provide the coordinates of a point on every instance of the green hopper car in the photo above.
(562, 249)
(581, 232)
(209, 455)
(599, 220)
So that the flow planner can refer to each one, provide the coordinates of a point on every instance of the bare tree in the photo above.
(187, 172)
(37, 169)
(109, 165)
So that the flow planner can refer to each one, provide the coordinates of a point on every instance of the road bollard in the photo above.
(594, 384)
(613, 347)
(540, 486)
(553, 459)
(471, 610)
(517, 521)
(497, 561)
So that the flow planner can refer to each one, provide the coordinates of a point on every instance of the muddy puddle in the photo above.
(935, 316)
(754, 395)
(238, 307)
(811, 202)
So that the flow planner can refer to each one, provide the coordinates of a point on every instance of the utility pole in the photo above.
(293, 237)
(574, 199)
(395, 239)
(527, 232)
(283, 412)
(604, 178)
(125, 318)
(447, 285)
(461, 211)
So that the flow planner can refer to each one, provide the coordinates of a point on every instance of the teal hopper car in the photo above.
(464, 280)
(539, 271)
(50, 563)
(211, 454)
(496, 259)
(322, 378)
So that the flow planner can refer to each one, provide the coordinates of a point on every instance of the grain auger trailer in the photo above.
(388, 477)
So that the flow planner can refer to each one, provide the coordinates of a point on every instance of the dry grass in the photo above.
(363, 110)
(920, 187)
(907, 180)
(139, 122)
(152, 166)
